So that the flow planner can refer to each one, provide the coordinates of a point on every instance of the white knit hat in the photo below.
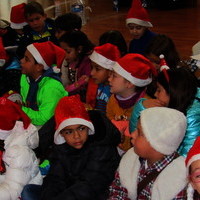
(164, 128)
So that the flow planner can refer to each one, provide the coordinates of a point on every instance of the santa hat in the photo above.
(47, 54)
(17, 17)
(10, 112)
(3, 54)
(164, 128)
(105, 55)
(70, 111)
(138, 15)
(164, 67)
(135, 68)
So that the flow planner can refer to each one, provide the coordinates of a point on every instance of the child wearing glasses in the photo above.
(85, 157)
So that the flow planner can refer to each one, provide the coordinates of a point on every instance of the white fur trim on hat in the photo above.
(36, 54)
(196, 57)
(101, 60)
(18, 25)
(58, 139)
(192, 159)
(4, 134)
(139, 22)
(136, 81)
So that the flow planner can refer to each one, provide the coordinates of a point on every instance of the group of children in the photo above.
(119, 122)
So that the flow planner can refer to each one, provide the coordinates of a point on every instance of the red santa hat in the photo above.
(3, 54)
(17, 17)
(135, 68)
(47, 54)
(164, 67)
(138, 15)
(70, 111)
(194, 153)
(105, 55)
(10, 112)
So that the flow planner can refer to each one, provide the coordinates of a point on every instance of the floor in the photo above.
(182, 25)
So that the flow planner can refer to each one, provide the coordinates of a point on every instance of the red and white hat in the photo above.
(105, 55)
(135, 68)
(10, 112)
(3, 54)
(194, 153)
(17, 17)
(138, 15)
(47, 54)
(70, 111)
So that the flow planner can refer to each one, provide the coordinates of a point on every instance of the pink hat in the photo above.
(10, 112)
(135, 68)
(70, 111)
(17, 17)
(3, 54)
(105, 55)
(138, 15)
(47, 54)
(194, 153)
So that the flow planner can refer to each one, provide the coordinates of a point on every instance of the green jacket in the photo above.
(50, 91)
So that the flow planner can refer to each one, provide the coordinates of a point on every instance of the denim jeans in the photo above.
(31, 192)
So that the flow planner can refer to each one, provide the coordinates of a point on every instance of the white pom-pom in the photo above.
(56, 69)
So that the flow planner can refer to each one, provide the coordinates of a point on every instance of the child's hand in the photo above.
(149, 103)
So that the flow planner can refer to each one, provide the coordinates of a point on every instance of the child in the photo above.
(114, 37)
(85, 156)
(176, 88)
(192, 163)
(67, 22)
(138, 23)
(152, 169)
(103, 59)
(77, 47)
(18, 137)
(41, 87)
(39, 28)
(127, 83)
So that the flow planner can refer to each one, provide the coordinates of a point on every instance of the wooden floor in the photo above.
(182, 25)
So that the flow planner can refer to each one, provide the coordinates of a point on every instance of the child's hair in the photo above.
(68, 22)
(114, 37)
(76, 39)
(32, 8)
(181, 88)
(162, 44)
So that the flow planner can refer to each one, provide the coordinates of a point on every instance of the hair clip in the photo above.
(164, 67)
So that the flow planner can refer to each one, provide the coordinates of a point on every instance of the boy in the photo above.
(39, 28)
(67, 22)
(103, 58)
(41, 87)
(138, 23)
(152, 169)
(85, 155)
(130, 75)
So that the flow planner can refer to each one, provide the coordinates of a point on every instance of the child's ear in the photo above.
(39, 67)
(130, 85)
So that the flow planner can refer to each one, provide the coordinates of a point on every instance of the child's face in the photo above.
(136, 30)
(155, 61)
(141, 146)
(59, 33)
(71, 53)
(162, 95)
(195, 175)
(75, 135)
(99, 74)
(36, 21)
(118, 84)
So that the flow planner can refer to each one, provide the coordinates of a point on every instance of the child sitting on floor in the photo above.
(152, 169)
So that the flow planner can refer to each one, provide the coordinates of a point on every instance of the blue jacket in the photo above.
(193, 122)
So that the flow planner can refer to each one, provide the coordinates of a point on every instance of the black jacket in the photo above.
(86, 173)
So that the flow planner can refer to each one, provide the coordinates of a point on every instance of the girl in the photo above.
(176, 88)
(78, 68)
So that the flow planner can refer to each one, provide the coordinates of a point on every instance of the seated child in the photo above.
(39, 28)
(41, 86)
(84, 158)
(192, 163)
(130, 75)
(18, 137)
(67, 22)
(103, 59)
(152, 169)
(138, 23)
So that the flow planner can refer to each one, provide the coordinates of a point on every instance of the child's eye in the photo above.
(82, 128)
